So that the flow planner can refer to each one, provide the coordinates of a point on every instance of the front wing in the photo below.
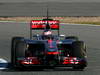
(63, 62)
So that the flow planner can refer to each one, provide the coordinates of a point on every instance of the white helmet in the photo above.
(47, 33)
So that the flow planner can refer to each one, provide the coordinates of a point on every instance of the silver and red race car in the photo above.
(47, 49)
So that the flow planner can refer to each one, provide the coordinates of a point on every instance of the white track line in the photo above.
(81, 24)
(11, 22)
(7, 21)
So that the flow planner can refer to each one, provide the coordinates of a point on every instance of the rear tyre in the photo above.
(79, 50)
(13, 44)
(72, 37)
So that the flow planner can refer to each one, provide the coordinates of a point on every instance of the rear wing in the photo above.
(41, 24)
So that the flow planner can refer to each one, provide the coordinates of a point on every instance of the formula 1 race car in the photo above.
(46, 49)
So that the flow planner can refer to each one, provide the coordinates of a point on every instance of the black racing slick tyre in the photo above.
(20, 49)
(79, 49)
(13, 46)
(72, 37)
(78, 67)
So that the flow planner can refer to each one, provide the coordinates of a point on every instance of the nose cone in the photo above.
(52, 46)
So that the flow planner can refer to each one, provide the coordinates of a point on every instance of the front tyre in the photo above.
(78, 67)
(79, 51)
(14, 41)
(72, 37)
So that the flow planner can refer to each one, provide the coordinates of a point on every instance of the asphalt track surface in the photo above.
(55, 8)
(90, 34)
(6, 1)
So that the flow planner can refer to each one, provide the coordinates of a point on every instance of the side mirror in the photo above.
(62, 35)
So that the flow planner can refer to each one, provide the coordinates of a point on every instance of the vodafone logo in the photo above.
(44, 22)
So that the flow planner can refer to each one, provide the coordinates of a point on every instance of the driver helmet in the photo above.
(47, 34)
